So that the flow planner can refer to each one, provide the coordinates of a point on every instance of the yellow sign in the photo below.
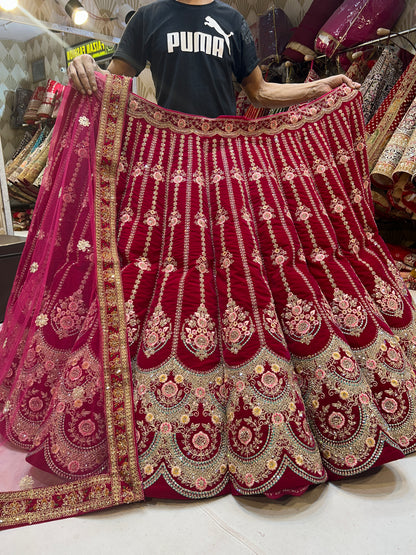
(96, 48)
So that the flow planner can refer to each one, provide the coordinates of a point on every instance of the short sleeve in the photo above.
(132, 44)
(246, 58)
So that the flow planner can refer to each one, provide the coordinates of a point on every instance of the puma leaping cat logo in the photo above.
(212, 23)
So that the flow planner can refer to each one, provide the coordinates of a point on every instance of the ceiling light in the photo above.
(76, 11)
(124, 13)
(8, 5)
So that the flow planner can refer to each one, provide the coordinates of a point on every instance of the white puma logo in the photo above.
(212, 23)
(188, 41)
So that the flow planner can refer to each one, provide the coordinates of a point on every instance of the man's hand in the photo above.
(329, 83)
(81, 73)
(276, 95)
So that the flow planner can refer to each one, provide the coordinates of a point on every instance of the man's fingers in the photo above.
(351, 83)
(81, 73)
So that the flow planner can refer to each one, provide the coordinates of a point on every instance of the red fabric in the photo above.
(218, 298)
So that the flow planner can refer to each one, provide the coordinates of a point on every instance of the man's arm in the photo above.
(81, 72)
(277, 95)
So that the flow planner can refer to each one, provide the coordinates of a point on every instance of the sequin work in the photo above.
(245, 333)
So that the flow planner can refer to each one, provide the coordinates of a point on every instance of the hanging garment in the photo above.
(355, 22)
(358, 69)
(303, 37)
(385, 121)
(50, 100)
(31, 115)
(380, 80)
(399, 155)
(274, 29)
(20, 177)
(20, 102)
(204, 306)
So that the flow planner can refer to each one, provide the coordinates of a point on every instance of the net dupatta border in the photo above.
(122, 482)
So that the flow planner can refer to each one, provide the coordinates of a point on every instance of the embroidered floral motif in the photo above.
(226, 259)
(343, 157)
(255, 174)
(42, 320)
(84, 121)
(359, 144)
(132, 322)
(67, 317)
(198, 178)
(337, 206)
(245, 214)
(237, 327)
(174, 218)
(221, 216)
(133, 104)
(151, 218)
(169, 265)
(143, 263)
(320, 167)
(199, 334)
(279, 256)
(271, 323)
(236, 174)
(300, 320)
(256, 256)
(138, 169)
(217, 176)
(318, 255)
(303, 213)
(157, 332)
(397, 276)
(356, 196)
(123, 164)
(126, 215)
(201, 220)
(388, 299)
(178, 176)
(349, 314)
(158, 173)
(83, 245)
(202, 264)
(266, 213)
(354, 245)
(288, 173)
(34, 267)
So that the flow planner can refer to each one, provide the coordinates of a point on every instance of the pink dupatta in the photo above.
(68, 278)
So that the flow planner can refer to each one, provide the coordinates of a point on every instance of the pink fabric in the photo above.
(303, 36)
(357, 21)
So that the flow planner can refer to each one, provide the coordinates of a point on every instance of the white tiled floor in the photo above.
(372, 514)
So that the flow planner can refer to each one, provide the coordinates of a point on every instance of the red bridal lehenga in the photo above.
(203, 307)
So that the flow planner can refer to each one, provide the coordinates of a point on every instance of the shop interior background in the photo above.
(23, 46)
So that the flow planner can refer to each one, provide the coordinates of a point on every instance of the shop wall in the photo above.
(16, 71)
(13, 73)
(49, 47)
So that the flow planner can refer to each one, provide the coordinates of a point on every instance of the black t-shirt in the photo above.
(193, 52)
